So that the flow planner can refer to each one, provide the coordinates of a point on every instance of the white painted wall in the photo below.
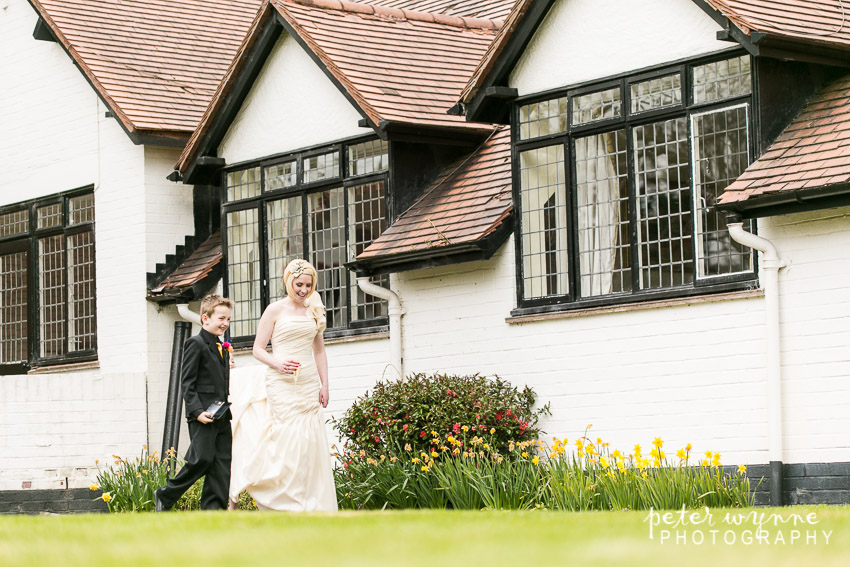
(56, 138)
(292, 105)
(688, 374)
(584, 40)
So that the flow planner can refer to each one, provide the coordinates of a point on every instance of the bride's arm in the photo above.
(321, 358)
(261, 339)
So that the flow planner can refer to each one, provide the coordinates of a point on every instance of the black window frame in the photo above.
(302, 189)
(626, 121)
(28, 242)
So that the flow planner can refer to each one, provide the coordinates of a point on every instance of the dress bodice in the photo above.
(293, 338)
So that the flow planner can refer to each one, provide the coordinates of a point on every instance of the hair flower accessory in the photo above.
(297, 268)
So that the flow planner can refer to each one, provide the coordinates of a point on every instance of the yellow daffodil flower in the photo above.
(94, 487)
(658, 442)
(535, 460)
(492, 430)
(742, 469)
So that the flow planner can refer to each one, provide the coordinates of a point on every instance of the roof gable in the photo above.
(400, 69)
(155, 63)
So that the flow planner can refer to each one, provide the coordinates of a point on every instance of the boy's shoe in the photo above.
(157, 501)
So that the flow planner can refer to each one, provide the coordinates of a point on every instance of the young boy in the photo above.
(205, 378)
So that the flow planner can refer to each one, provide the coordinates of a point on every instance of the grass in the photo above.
(405, 538)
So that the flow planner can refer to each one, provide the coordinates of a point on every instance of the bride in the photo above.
(290, 467)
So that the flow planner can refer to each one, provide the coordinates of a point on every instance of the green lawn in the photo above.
(432, 538)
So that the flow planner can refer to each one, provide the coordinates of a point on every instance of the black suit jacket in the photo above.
(205, 376)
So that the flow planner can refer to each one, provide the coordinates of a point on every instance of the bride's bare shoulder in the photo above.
(276, 308)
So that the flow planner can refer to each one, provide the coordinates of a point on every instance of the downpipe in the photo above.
(395, 311)
(770, 264)
(171, 429)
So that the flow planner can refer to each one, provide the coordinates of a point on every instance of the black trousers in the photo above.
(209, 456)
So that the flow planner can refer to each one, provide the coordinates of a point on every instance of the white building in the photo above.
(576, 249)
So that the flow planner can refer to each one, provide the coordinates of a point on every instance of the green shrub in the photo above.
(413, 410)
(191, 499)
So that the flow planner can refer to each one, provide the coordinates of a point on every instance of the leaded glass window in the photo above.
(60, 276)
(622, 204)
(322, 216)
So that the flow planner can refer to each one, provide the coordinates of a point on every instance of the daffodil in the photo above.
(535, 460)
(492, 430)
(94, 487)
(637, 451)
(680, 454)
(425, 469)
(407, 447)
(742, 469)
(658, 442)
(414, 460)
(435, 454)
(465, 428)
(524, 455)
(106, 497)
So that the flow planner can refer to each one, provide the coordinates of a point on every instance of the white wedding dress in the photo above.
(281, 454)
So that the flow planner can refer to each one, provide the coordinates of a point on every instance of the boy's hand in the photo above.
(205, 417)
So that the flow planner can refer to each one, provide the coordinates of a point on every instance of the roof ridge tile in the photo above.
(390, 13)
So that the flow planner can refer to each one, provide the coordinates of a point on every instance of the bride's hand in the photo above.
(287, 366)
(323, 396)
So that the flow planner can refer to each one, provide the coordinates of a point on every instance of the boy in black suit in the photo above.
(205, 378)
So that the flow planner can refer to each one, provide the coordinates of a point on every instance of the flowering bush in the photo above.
(531, 474)
(128, 485)
(410, 411)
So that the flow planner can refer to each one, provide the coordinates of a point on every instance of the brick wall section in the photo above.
(73, 501)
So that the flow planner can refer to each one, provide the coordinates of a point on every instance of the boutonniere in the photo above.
(228, 346)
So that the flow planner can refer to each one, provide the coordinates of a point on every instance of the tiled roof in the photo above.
(808, 21)
(467, 202)
(202, 267)
(401, 66)
(813, 152)
(156, 62)
(398, 66)
(495, 9)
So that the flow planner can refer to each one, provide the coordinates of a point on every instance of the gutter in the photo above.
(770, 264)
(395, 312)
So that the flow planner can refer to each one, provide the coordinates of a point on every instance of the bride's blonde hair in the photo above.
(313, 302)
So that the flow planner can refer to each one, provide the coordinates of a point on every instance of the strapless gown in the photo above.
(280, 445)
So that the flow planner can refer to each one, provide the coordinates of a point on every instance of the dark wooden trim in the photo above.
(486, 108)
(791, 202)
(232, 100)
(42, 31)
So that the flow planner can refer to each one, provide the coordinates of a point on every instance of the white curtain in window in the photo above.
(598, 193)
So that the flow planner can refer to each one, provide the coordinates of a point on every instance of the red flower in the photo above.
(377, 439)
(456, 428)
(508, 412)
(499, 416)
(423, 434)
(477, 416)
(379, 420)
(404, 427)
(352, 430)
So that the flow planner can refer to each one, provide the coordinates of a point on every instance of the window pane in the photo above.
(326, 218)
(368, 157)
(367, 214)
(81, 316)
(281, 176)
(51, 277)
(663, 204)
(603, 214)
(243, 184)
(49, 215)
(597, 106)
(656, 93)
(722, 79)
(544, 222)
(17, 222)
(543, 118)
(317, 168)
(81, 209)
(720, 156)
(285, 241)
(13, 307)
(243, 270)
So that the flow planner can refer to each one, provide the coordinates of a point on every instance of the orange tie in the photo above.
(220, 352)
